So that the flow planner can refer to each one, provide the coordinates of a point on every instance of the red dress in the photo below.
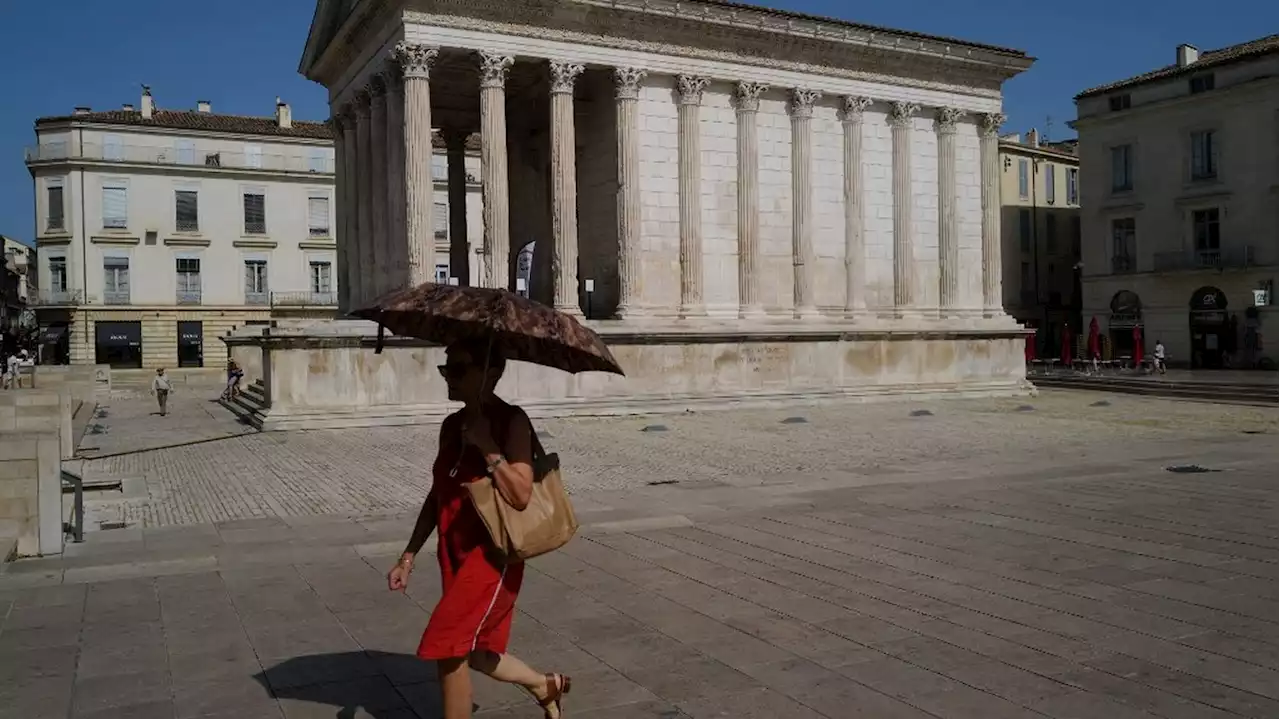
(479, 598)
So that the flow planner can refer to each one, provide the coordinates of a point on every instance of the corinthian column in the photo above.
(364, 199)
(564, 188)
(628, 80)
(802, 200)
(855, 254)
(347, 276)
(419, 190)
(493, 168)
(397, 248)
(904, 261)
(378, 170)
(749, 303)
(690, 150)
(455, 147)
(989, 152)
(948, 222)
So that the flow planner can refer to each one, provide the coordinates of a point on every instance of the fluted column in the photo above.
(690, 89)
(564, 188)
(493, 169)
(397, 247)
(802, 200)
(989, 154)
(364, 199)
(855, 253)
(748, 101)
(455, 147)
(378, 168)
(419, 188)
(904, 261)
(628, 81)
(344, 210)
(948, 222)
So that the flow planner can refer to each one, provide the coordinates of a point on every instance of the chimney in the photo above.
(1033, 137)
(128, 106)
(204, 106)
(82, 110)
(1187, 54)
(148, 104)
(284, 116)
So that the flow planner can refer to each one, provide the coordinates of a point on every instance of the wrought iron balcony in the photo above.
(57, 298)
(256, 298)
(1123, 264)
(162, 155)
(304, 299)
(1233, 258)
(116, 297)
(188, 297)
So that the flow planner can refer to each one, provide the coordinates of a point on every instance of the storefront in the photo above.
(1212, 337)
(118, 344)
(55, 344)
(190, 344)
(1126, 313)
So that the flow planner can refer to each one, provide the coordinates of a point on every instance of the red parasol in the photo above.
(1095, 339)
(1066, 345)
(1137, 346)
(1031, 347)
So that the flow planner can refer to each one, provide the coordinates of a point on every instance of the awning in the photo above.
(51, 334)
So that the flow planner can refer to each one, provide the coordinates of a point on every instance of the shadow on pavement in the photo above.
(373, 684)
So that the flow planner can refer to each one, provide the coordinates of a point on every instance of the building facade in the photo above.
(162, 230)
(1179, 207)
(18, 287)
(1040, 236)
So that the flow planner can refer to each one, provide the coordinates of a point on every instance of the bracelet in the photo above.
(494, 464)
(406, 562)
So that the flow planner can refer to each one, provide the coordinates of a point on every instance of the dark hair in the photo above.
(476, 349)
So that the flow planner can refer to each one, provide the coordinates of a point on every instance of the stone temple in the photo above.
(750, 205)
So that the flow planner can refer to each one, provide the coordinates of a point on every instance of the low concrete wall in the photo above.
(25, 410)
(31, 490)
(86, 382)
(329, 376)
(249, 357)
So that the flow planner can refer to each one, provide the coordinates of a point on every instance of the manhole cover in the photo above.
(654, 428)
(1101, 403)
(921, 413)
(1189, 469)
(795, 420)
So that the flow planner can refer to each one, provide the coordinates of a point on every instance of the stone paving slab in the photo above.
(1133, 592)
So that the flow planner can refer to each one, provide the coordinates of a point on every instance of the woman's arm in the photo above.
(511, 465)
(423, 528)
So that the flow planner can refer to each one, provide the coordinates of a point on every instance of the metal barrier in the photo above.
(76, 527)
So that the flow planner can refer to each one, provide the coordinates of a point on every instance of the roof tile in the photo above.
(201, 121)
(1207, 59)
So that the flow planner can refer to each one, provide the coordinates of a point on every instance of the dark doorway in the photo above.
(190, 344)
(1210, 328)
(55, 344)
(1126, 313)
(119, 344)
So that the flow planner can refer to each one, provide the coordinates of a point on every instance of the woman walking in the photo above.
(471, 624)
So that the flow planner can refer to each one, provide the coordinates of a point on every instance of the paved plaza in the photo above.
(963, 558)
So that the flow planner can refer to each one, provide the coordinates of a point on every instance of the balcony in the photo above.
(188, 297)
(116, 297)
(304, 299)
(1123, 265)
(1234, 258)
(57, 298)
(144, 155)
(256, 298)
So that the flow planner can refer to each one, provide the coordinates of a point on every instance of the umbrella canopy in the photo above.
(1137, 346)
(519, 328)
(1030, 350)
(1066, 345)
(1095, 338)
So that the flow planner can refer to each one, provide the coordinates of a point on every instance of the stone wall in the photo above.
(41, 410)
(86, 382)
(31, 490)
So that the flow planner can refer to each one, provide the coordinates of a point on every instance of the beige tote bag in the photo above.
(547, 524)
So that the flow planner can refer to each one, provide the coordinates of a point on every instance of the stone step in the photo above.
(1226, 394)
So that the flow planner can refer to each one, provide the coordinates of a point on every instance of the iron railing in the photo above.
(116, 297)
(304, 299)
(317, 163)
(76, 526)
(1233, 258)
(256, 298)
(188, 297)
(54, 298)
(1123, 264)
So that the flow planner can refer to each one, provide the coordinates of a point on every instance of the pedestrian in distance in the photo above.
(471, 624)
(160, 387)
(1158, 357)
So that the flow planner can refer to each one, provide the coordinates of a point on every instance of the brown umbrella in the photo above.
(519, 328)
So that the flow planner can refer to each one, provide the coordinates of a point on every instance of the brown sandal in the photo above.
(557, 686)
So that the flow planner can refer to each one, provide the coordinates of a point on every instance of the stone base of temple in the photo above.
(326, 375)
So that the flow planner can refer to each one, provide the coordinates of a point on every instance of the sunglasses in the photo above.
(453, 370)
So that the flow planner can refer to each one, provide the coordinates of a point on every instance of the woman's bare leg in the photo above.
(507, 668)
(455, 686)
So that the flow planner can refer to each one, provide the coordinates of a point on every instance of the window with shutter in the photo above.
(321, 280)
(57, 274)
(441, 220)
(318, 216)
(255, 282)
(255, 214)
(115, 207)
(189, 286)
(56, 219)
(186, 152)
(116, 280)
(187, 210)
(1050, 182)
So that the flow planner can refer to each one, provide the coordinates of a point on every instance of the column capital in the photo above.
(493, 69)
(563, 75)
(747, 94)
(377, 85)
(900, 113)
(690, 88)
(360, 102)
(852, 107)
(414, 59)
(802, 101)
(990, 122)
(946, 120)
(628, 80)
(454, 137)
(344, 117)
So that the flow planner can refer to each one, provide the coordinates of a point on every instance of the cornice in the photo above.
(182, 132)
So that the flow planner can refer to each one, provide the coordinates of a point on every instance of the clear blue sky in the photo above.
(241, 54)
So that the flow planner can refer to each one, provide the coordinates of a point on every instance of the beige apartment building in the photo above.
(1040, 235)
(161, 230)
(1179, 211)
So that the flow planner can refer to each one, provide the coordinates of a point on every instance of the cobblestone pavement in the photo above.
(130, 421)
(982, 582)
(368, 471)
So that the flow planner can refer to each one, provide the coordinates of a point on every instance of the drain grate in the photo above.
(1189, 469)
